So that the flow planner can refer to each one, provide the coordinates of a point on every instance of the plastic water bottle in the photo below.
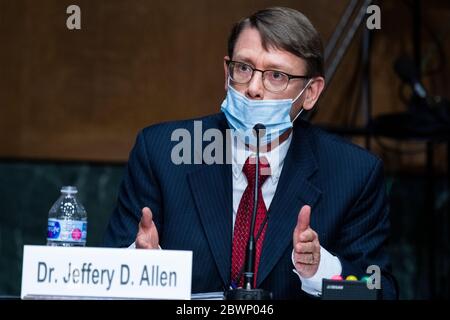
(67, 220)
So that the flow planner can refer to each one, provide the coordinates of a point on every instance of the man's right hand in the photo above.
(147, 237)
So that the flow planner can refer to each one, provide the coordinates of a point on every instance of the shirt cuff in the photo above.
(329, 266)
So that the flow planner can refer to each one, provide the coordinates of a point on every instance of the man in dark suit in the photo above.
(322, 208)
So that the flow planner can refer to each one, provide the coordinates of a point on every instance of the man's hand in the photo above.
(306, 245)
(147, 237)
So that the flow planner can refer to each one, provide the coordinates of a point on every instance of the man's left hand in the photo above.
(306, 245)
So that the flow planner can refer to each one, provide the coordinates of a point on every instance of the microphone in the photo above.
(259, 131)
(248, 292)
(407, 71)
(431, 111)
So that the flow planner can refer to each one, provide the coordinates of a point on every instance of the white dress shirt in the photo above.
(329, 265)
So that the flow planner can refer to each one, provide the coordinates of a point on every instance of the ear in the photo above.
(313, 92)
(225, 69)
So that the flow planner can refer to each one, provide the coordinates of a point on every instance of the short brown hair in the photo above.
(286, 29)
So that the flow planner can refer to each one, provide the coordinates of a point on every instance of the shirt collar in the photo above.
(275, 157)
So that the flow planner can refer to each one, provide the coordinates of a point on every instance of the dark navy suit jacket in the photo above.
(192, 206)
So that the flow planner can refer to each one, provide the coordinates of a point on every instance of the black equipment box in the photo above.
(348, 290)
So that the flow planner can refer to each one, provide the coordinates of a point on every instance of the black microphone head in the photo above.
(405, 69)
(259, 130)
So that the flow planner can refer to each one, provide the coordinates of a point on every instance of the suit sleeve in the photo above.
(139, 188)
(365, 232)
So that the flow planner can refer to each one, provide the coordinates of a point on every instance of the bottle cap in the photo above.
(365, 279)
(69, 189)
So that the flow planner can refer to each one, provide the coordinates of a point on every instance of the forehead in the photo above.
(249, 49)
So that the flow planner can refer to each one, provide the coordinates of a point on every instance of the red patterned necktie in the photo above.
(243, 220)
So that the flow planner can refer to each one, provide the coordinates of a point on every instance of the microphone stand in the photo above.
(248, 292)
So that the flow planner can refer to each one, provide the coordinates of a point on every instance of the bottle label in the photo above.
(67, 230)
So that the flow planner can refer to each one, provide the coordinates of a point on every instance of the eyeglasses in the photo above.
(274, 81)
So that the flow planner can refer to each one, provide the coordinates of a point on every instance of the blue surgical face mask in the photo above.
(243, 114)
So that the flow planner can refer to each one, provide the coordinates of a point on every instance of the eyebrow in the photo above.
(270, 66)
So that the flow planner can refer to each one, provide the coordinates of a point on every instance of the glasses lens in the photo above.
(240, 72)
(275, 80)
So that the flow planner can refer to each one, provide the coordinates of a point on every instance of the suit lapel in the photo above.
(293, 191)
(211, 187)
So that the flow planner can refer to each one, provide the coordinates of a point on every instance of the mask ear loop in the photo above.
(229, 86)
(299, 95)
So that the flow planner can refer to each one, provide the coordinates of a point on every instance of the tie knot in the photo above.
(249, 170)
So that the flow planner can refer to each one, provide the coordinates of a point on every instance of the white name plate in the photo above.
(78, 272)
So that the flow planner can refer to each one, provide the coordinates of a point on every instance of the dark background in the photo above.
(72, 102)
